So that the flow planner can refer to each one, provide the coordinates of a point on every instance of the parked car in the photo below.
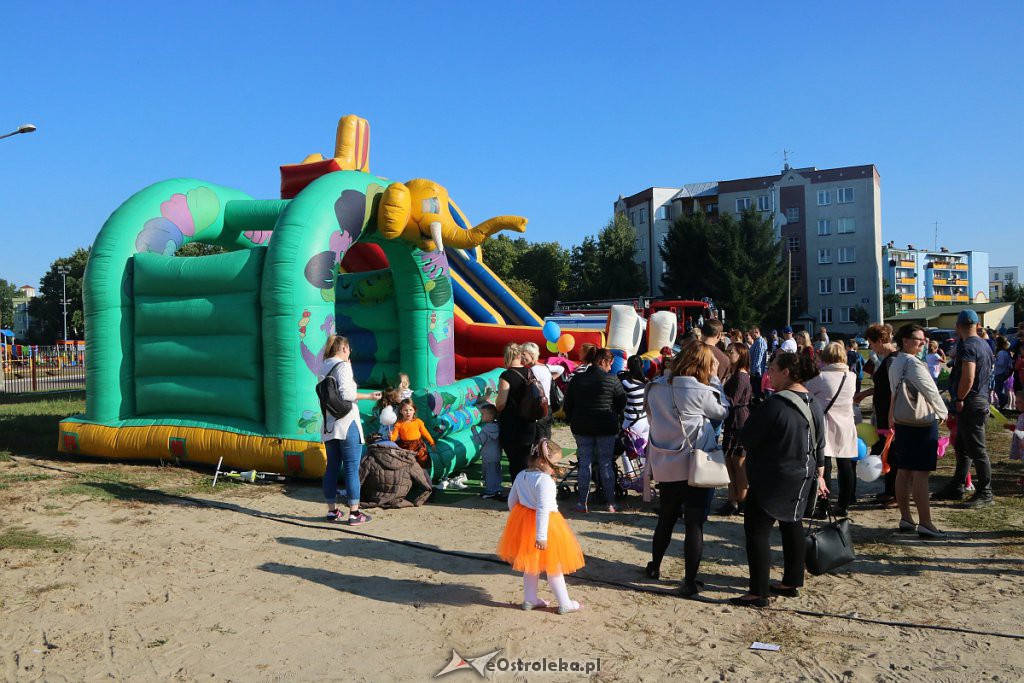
(946, 338)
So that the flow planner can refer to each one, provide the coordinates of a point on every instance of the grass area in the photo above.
(19, 538)
(28, 422)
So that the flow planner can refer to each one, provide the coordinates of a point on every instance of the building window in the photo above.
(847, 254)
(794, 274)
(793, 243)
(847, 285)
(632, 218)
(764, 203)
(825, 286)
(824, 197)
(824, 256)
(846, 314)
(642, 243)
(793, 214)
(711, 208)
(823, 227)
(643, 216)
(844, 195)
(664, 213)
(742, 204)
(796, 303)
(1008, 277)
(846, 225)
(825, 316)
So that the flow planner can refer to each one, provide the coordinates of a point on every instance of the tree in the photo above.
(860, 317)
(7, 293)
(1015, 294)
(502, 254)
(619, 274)
(890, 299)
(736, 262)
(546, 266)
(46, 309)
(584, 270)
(199, 249)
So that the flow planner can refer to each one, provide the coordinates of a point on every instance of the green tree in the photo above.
(7, 293)
(1015, 294)
(736, 262)
(860, 317)
(619, 274)
(199, 249)
(584, 270)
(546, 266)
(46, 309)
(502, 254)
(890, 299)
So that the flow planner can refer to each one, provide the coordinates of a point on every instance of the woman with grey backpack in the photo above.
(915, 413)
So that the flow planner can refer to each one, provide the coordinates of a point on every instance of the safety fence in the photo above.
(41, 368)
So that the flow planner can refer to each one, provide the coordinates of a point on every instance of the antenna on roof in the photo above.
(936, 224)
(785, 159)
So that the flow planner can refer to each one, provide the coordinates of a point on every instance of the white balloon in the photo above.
(870, 468)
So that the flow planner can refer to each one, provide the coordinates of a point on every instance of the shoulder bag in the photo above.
(909, 407)
(829, 544)
(707, 468)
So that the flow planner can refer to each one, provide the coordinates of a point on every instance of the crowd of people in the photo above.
(784, 409)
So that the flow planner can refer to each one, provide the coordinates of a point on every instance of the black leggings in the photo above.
(757, 525)
(847, 476)
(679, 496)
(517, 455)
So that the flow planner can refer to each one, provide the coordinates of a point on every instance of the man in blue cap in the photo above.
(969, 390)
(788, 344)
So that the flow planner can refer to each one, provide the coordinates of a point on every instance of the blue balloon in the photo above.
(551, 331)
(862, 449)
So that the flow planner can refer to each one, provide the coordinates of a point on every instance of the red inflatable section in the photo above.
(480, 347)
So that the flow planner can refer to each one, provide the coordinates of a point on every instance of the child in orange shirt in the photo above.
(410, 433)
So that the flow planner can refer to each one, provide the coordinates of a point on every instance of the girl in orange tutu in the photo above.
(536, 538)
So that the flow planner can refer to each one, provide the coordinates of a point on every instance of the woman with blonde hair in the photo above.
(343, 436)
(681, 408)
(803, 344)
(834, 388)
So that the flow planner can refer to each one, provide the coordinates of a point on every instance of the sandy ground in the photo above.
(154, 589)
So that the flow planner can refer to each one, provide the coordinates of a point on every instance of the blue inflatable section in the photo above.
(490, 289)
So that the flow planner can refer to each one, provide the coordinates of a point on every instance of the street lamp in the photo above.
(24, 128)
(64, 271)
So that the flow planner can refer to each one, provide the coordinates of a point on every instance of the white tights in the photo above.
(555, 581)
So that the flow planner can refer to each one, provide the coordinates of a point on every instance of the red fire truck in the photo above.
(689, 312)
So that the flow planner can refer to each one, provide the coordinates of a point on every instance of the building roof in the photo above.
(932, 312)
(697, 190)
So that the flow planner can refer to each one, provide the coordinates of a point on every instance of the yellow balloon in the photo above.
(866, 431)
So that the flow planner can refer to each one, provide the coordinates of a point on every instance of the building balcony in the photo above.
(940, 281)
(961, 298)
(907, 264)
(908, 297)
(906, 281)
(942, 297)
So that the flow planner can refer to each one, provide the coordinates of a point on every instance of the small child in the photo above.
(486, 437)
(404, 388)
(387, 415)
(536, 538)
(410, 433)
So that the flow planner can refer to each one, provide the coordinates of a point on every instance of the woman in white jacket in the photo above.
(680, 408)
(834, 388)
(917, 440)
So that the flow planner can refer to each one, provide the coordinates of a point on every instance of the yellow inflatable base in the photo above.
(194, 445)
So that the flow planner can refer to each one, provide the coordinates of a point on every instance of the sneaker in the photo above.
(611, 508)
(461, 476)
(581, 508)
(457, 484)
(358, 518)
(573, 606)
(980, 500)
(969, 488)
(906, 527)
(948, 493)
(490, 496)
(335, 516)
(443, 484)
(925, 532)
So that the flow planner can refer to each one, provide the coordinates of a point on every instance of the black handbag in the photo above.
(829, 545)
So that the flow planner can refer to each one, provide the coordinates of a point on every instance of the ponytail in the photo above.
(335, 343)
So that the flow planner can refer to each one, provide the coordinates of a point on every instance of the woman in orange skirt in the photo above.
(536, 538)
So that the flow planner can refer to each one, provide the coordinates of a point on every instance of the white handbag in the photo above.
(707, 468)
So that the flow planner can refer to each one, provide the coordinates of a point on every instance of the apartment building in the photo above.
(922, 277)
(829, 219)
(998, 278)
(22, 319)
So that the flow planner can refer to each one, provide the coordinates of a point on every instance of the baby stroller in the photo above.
(629, 468)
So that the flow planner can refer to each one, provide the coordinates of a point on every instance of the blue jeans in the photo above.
(603, 448)
(347, 451)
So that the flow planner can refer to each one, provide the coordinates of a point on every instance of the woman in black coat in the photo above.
(785, 466)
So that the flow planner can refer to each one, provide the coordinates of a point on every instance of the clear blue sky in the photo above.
(547, 110)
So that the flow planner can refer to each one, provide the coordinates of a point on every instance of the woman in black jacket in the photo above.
(785, 466)
(593, 404)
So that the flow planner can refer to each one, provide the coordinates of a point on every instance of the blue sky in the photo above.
(547, 110)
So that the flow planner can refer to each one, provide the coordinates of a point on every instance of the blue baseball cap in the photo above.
(787, 330)
(967, 317)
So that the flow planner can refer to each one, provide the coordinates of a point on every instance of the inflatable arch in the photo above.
(196, 358)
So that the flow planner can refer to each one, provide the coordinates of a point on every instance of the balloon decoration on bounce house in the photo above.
(198, 358)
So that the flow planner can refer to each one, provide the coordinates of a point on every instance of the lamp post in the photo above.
(64, 270)
(24, 128)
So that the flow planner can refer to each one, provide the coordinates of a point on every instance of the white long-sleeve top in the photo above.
(537, 491)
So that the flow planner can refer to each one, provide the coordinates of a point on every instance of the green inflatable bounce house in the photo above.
(191, 359)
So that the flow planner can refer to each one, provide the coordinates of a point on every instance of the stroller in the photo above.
(629, 468)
